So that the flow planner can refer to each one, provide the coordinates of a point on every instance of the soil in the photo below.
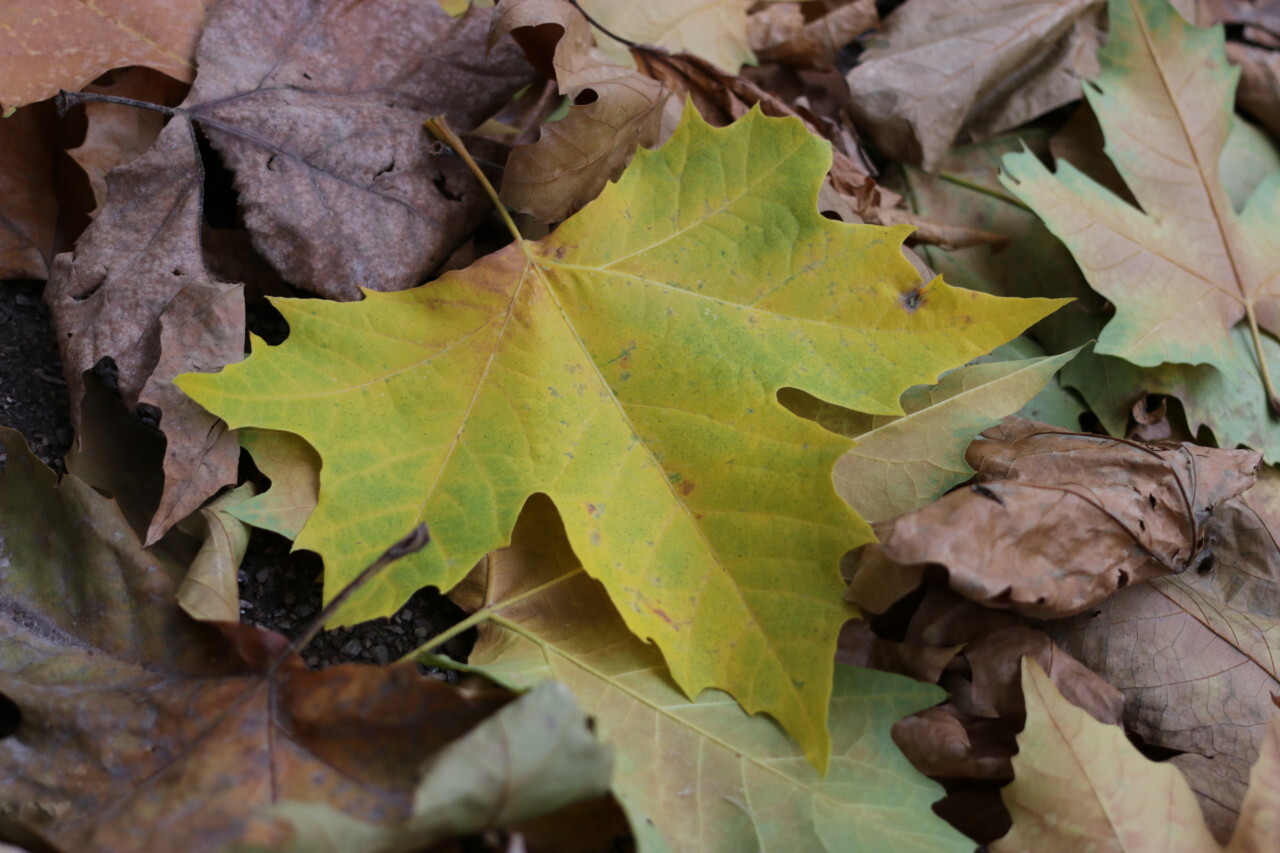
(279, 589)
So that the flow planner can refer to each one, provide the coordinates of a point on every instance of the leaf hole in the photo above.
(983, 491)
(1206, 564)
(1142, 525)
(385, 169)
(912, 299)
(1151, 499)
(586, 96)
(1123, 580)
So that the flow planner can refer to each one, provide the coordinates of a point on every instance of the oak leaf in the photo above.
(627, 366)
(699, 776)
(1080, 784)
(65, 44)
(1185, 270)
(129, 712)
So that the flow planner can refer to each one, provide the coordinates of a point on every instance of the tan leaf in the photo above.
(1068, 518)
(780, 33)
(614, 110)
(65, 44)
(1080, 785)
(714, 30)
(28, 206)
(949, 69)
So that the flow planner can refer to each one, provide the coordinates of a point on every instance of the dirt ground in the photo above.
(278, 589)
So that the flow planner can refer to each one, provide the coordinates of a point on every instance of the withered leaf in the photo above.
(28, 206)
(141, 729)
(1056, 521)
(338, 191)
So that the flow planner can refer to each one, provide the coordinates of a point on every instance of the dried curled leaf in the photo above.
(1056, 521)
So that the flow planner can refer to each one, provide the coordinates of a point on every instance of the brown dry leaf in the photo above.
(1259, 91)
(28, 204)
(1066, 519)
(614, 110)
(337, 189)
(132, 714)
(714, 30)
(65, 44)
(780, 33)
(953, 68)
(1197, 655)
(117, 134)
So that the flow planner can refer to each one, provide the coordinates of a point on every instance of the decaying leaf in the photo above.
(1186, 270)
(332, 215)
(627, 366)
(1066, 519)
(1196, 653)
(614, 110)
(1259, 92)
(117, 134)
(65, 44)
(533, 757)
(209, 592)
(900, 463)
(130, 712)
(1081, 785)
(700, 776)
(953, 68)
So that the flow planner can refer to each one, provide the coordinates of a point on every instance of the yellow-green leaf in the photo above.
(627, 366)
(293, 469)
(701, 776)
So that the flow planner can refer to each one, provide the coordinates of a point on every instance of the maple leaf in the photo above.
(626, 366)
(65, 44)
(128, 711)
(1080, 784)
(1186, 268)
(698, 776)
(312, 148)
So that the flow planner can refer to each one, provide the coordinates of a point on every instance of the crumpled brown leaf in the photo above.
(780, 32)
(1054, 521)
(65, 44)
(141, 729)
(337, 189)
(1259, 91)
(1197, 655)
(950, 69)
(614, 110)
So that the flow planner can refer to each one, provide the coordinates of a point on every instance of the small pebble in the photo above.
(262, 575)
(290, 599)
(420, 632)
(351, 648)
(313, 661)
(380, 655)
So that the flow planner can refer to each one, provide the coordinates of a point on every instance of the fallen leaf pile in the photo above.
(835, 433)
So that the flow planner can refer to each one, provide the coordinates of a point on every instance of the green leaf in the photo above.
(627, 366)
(534, 756)
(1186, 268)
(901, 463)
(702, 776)
(293, 469)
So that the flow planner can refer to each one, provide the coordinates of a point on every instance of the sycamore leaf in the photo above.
(210, 592)
(627, 366)
(1186, 268)
(65, 44)
(1080, 785)
(700, 776)
(903, 462)
(533, 757)
(129, 712)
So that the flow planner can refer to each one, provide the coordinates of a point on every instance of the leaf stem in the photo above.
(440, 127)
(415, 541)
(66, 100)
(1272, 398)
(487, 612)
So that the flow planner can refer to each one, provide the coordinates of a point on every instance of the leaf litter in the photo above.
(940, 676)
